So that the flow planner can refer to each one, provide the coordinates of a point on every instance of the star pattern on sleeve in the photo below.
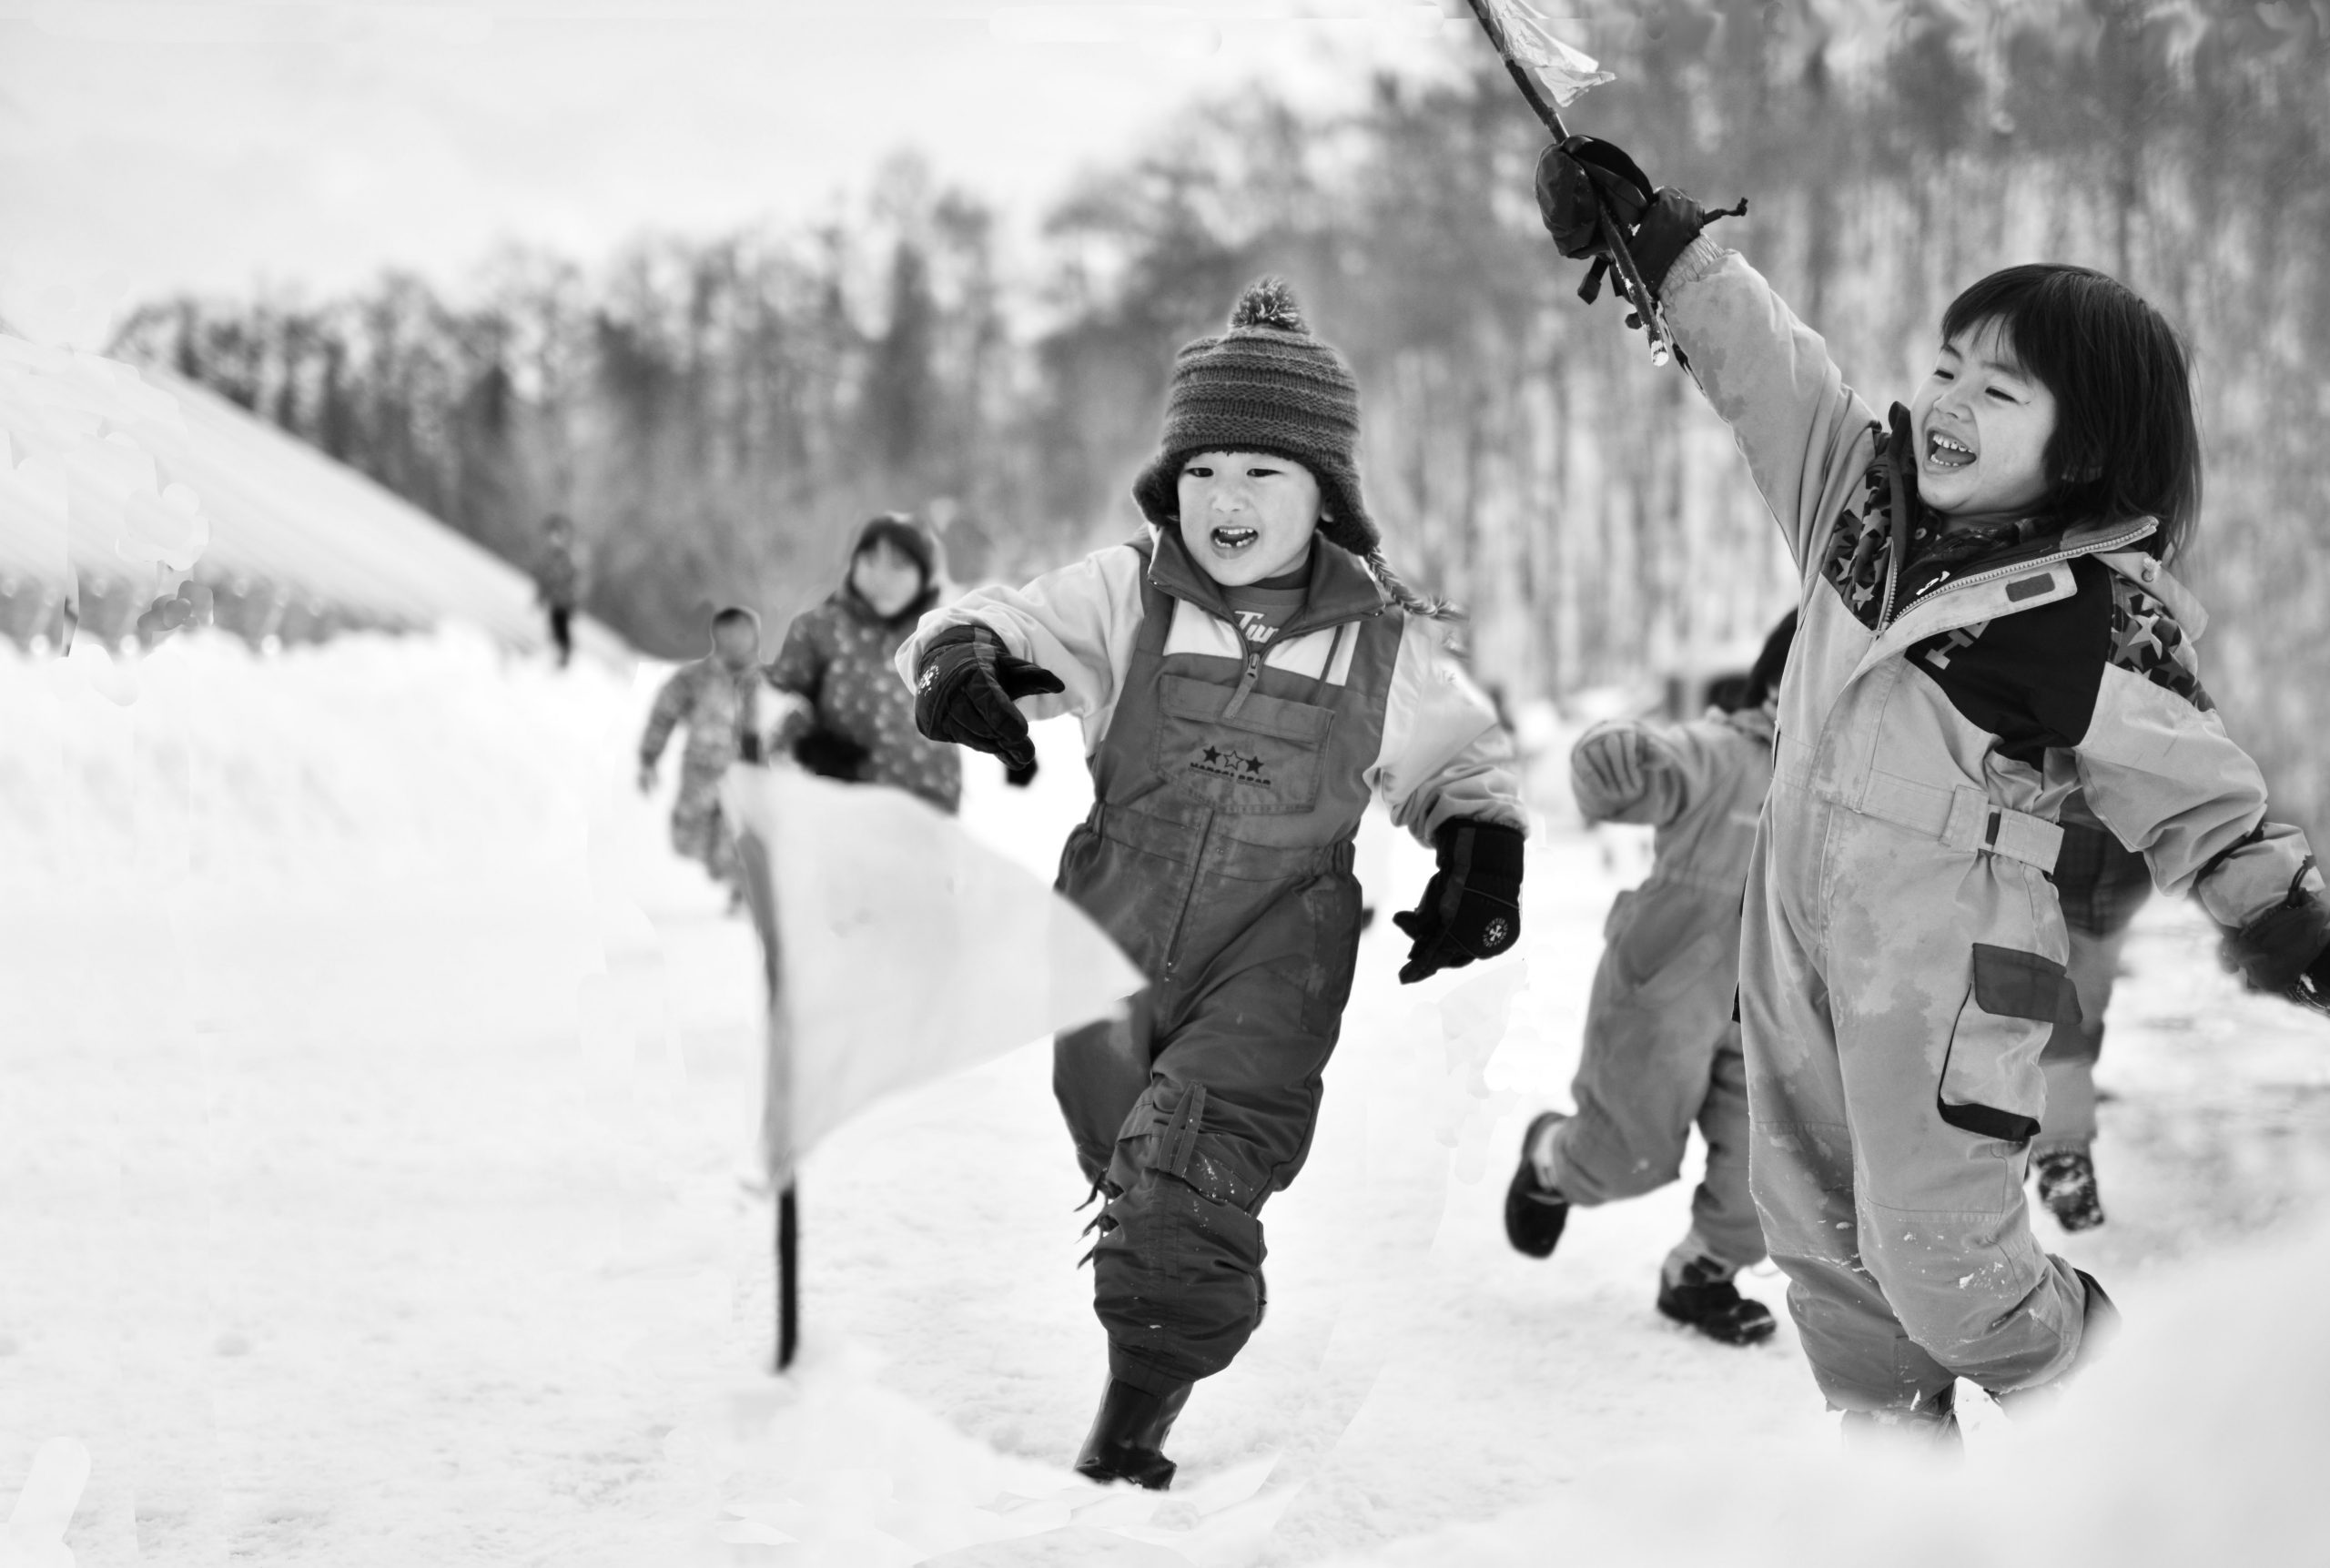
(2147, 641)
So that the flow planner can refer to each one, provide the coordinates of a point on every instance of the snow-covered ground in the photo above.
(379, 1089)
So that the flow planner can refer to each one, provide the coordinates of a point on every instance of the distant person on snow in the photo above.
(713, 698)
(1661, 1043)
(2101, 885)
(1249, 673)
(853, 719)
(559, 579)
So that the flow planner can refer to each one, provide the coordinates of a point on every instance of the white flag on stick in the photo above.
(1528, 34)
(903, 949)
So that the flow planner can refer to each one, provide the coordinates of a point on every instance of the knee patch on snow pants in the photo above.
(1178, 1269)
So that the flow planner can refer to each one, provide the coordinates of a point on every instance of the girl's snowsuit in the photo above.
(1230, 782)
(1902, 963)
(715, 705)
(2102, 885)
(1662, 1049)
(836, 658)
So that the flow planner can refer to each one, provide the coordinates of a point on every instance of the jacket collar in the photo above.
(1340, 588)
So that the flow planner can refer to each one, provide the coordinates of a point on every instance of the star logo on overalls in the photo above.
(1253, 766)
(1213, 756)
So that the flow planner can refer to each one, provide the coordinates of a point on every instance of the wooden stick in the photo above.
(1622, 262)
(776, 1100)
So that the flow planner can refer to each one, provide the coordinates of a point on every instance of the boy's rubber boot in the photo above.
(2067, 1186)
(1703, 1297)
(1533, 1212)
(1127, 1433)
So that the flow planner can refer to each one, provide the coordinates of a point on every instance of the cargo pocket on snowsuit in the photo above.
(1990, 1080)
(1658, 959)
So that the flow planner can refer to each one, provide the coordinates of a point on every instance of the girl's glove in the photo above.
(1472, 906)
(964, 689)
(1658, 226)
(2286, 950)
(830, 754)
(1021, 777)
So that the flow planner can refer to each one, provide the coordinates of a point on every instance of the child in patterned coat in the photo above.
(853, 719)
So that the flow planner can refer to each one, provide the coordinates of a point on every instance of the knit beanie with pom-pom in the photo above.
(1266, 385)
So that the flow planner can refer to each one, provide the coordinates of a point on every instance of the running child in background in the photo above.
(2102, 885)
(1986, 625)
(1248, 673)
(855, 721)
(1662, 1045)
(713, 698)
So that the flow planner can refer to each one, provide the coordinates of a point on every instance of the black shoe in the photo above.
(1127, 1434)
(2067, 1186)
(1713, 1305)
(1533, 1212)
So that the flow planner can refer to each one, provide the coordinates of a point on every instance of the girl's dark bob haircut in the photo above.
(2127, 443)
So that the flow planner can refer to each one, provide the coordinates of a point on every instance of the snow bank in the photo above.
(379, 1086)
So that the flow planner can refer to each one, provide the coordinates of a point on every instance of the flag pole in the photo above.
(1622, 260)
(777, 1099)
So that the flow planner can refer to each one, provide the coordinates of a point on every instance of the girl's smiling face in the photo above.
(1981, 423)
(1246, 516)
(886, 578)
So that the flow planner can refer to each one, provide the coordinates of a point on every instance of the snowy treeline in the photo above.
(718, 412)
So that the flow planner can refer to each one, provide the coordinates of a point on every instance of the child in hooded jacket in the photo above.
(1661, 1043)
(852, 719)
(1249, 673)
(1987, 625)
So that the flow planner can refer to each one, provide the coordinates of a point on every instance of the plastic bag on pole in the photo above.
(906, 950)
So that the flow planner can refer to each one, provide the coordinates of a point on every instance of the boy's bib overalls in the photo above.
(1219, 855)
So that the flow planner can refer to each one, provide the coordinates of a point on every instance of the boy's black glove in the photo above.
(1658, 226)
(2285, 950)
(1472, 906)
(831, 755)
(1019, 777)
(965, 688)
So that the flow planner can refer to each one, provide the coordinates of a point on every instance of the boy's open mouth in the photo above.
(1945, 453)
(1234, 538)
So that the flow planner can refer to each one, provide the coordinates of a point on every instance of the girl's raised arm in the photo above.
(1808, 436)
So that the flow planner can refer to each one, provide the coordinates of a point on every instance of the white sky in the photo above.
(151, 147)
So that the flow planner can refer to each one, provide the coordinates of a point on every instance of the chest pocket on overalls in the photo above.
(1264, 758)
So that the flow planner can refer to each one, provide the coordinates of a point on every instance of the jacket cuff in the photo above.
(1474, 847)
(1700, 259)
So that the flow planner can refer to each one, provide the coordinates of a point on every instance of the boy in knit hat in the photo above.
(1248, 673)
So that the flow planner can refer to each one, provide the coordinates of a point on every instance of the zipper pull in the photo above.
(1246, 680)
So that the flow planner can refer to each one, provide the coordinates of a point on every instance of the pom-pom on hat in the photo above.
(1265, 385)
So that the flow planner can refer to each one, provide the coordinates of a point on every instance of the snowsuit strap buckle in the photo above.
(1964, 819)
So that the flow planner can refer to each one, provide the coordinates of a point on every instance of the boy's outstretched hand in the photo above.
(1657, 226)
(1472, 906)
(964, 690)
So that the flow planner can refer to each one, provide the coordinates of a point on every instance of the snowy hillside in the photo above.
(379, 1088)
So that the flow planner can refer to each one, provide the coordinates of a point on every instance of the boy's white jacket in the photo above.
(2101, 695)
(1445, 756)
